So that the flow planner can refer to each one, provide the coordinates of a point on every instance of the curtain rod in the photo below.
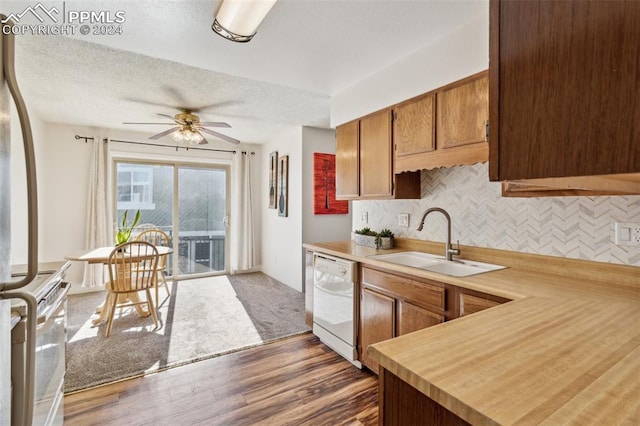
(187, 148)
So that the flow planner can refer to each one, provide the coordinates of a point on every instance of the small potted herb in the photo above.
(384, 239)
(367, 237)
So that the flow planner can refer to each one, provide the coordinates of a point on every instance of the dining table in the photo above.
(100, 255)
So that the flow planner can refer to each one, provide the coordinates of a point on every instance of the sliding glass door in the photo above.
(187, 202)
(202, 209)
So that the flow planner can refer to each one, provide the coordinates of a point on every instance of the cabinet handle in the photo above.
(486, 131)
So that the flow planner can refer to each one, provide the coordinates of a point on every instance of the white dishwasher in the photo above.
(334, 285)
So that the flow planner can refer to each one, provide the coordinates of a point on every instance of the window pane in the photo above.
(202, 210)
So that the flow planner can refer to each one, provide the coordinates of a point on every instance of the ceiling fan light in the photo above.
(187, 135)
(238, 20)
(195, 138)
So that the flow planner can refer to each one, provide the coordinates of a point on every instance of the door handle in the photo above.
(8, 70)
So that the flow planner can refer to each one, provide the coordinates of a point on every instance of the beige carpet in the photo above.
(203, 318)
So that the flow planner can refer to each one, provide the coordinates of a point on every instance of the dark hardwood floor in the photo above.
(295, 381)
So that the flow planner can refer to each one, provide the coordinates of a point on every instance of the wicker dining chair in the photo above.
(132, 269)
(159, 239)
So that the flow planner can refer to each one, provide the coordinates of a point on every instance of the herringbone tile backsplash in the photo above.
(574, 227)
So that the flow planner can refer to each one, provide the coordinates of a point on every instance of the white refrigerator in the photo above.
(12, 289)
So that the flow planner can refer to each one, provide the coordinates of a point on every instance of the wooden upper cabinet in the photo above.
(414, 127)
(564, 89)
(463, 111)
(347, 160)
(376, 173)
(364, 161)
(443, 128)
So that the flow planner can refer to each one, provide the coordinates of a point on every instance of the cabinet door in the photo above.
(347, 161)
(470, 301)
(376, 174)
(463, 111)
(412, 318)
(565, 92)
(413, 127)
(377, 323)
(471, 304)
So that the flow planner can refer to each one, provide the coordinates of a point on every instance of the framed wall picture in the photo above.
(283, 186)
(273, 180)
(324, 186)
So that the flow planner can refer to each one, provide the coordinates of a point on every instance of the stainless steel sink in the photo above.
(438, 264)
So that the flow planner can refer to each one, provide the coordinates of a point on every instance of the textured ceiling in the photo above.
(304, 52)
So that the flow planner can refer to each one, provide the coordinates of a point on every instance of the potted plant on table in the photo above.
(124, 229)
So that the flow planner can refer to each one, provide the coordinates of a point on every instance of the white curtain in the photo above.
(98, 228)
(243, 249)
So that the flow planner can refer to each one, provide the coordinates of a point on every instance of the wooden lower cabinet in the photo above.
(473, 301)
(412, 318)
(392, 305)
(377, 319)
(402, 404)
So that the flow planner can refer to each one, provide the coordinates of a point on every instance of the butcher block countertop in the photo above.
(566, 350)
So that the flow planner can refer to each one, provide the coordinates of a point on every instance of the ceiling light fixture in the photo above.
(238, 20)
(187, 135)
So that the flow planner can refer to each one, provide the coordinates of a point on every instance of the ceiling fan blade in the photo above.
(204, 140)
(165, 133)
(155, 124)
(214, 124)
(221, 136)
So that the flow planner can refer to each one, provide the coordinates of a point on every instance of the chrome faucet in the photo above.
(448, 251)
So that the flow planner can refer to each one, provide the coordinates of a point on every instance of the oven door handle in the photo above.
(53, 307)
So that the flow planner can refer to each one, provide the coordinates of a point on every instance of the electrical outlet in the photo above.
(364, 217)
(403, 220)
(627, 234)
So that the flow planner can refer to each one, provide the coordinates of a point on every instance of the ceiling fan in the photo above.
(189, 129)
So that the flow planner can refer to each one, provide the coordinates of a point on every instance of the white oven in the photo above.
(334, 305)
(51, 338)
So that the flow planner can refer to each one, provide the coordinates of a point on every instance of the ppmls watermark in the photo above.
(57, 20)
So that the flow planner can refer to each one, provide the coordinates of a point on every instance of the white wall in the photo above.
(63, 184)
(322, 227)
(460, 53)
(282, 236)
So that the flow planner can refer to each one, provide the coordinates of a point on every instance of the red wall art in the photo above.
(324, 186)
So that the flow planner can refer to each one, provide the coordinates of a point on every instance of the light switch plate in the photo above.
(364, 217)
(403, 220)
(627, 234)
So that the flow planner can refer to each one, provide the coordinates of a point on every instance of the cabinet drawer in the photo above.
(419, 292)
